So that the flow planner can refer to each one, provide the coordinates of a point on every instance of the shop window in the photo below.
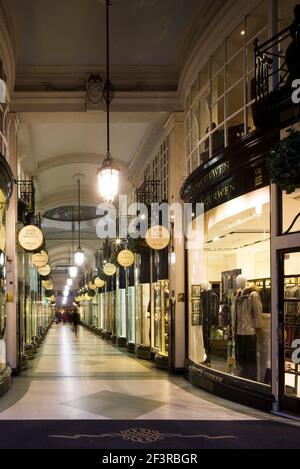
(2, 284)
(236, 128)
(250, 55)
(290, 205)
(204, 151)
(204, 76)
(204, 119)
(194, 137)
(217, 114)
(250, 87)
(195, 90)
(218, 60)
(250, 122)
(292, 324)
(217, 139)
(217, 87)
(291, 212)
(256, 22)
(286, 16)
(194, 160)
(236, 41)
(230, 289)
(235, 70)
(235, 98)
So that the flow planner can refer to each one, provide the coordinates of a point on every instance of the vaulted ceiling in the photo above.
(72, 32)
(59, 44)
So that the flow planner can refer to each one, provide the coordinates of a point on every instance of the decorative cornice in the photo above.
(75, 158)
(68, 197)
(68, 78)
(175, 119)
(7, 44)
(75, 101)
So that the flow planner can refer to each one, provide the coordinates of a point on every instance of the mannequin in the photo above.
(248, 310)
(209, 310)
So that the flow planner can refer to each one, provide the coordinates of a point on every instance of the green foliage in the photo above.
(284, 162)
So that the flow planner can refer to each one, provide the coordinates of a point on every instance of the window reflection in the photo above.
(230, 289)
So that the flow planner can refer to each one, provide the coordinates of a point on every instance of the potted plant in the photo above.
(284, 162)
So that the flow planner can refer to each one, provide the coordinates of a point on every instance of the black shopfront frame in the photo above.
(238, 170)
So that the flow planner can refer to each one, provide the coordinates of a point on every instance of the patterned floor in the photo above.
(86, 378)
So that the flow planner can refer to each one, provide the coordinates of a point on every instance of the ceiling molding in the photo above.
(68, 197)
(75, 158)
(75, 101)
(126, 78)
(7, 44)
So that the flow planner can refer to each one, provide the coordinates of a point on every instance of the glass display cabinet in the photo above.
(160, 309)
(292, 326)
(101, 312)
(120, 338)
(131, 311)
(143, 306)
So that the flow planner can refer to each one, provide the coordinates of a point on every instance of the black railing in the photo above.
(277, 64)
(26, 194)
(271, 69)
(148, 193)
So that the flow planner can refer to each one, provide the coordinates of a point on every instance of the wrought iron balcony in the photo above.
(277, 65)
(147, 194)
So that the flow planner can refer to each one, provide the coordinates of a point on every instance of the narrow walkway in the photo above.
(76, 383)
(87, 378)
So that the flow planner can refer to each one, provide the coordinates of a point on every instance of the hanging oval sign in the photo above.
(109, 269)
(158, 237)
(126, 258)
(31, 238)
(92, 286)
(52, 298)
(2, 237)
(47, 284)
(44, 271)
(40, 259)
(99, 282)
(87, 297)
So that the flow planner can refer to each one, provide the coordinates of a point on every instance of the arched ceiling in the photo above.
(59, 43)
(69, 32)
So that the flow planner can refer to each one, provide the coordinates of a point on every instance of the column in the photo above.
(11, 253)
(174, 129)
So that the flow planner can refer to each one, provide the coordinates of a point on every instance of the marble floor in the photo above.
(86, 378)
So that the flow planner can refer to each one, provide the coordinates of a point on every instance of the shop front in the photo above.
(228, 286)
(121, 292)
(143, 305)
(286, 274)
(131, 319)
(160, 300)
(6, 184)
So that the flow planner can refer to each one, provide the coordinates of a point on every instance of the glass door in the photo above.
(289, 331)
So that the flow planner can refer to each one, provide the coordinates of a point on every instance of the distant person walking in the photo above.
(76, 321)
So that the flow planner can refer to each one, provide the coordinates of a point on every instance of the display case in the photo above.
(143, 305)
(121, 307)
(131, 320)
(160, 302)
(292, 327)
(101, 310)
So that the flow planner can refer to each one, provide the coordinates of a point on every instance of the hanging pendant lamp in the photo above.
(108, 174)
(79, 254)
(73, 269)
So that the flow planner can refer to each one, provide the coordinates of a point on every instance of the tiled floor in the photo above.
(87, 378)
